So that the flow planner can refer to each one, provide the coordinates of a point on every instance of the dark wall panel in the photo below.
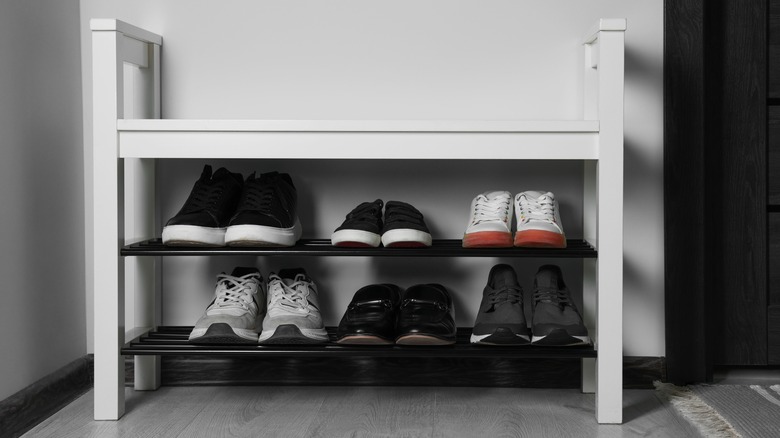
(773, 142)
(774, 48)
(740, 199)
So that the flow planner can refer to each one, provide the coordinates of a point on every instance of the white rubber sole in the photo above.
(475, 339)
(249, 335)
(261, 235)
(406, 237)
(575, 340)
(355, 238)
(316, 334)
(193, 235)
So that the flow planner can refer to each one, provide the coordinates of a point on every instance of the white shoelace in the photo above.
(541, 208)
(292, 297)
(234, 292)
(491, 210)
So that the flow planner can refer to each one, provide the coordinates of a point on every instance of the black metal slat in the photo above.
(172, 341)
(577, 248)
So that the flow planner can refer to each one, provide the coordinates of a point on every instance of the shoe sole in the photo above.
(560, 338)
(488, 239)
(261, 235)
(501, 336)
(355, 239)
(539, 239)
(193, 235)
(292, 334)
(406, 238)
(364, 340)
(222, 333)
(421, 339)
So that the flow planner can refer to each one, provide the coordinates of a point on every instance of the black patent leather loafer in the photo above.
(371, 316)
(426, 317)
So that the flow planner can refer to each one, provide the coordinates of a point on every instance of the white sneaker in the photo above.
(490, 221)
(236, 314)
(538, 221)
(293, 310)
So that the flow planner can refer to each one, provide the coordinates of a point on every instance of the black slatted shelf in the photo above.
(575, 248)
(168, 340)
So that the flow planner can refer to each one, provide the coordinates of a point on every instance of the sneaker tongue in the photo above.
(496, 194)
(291, 273)
(546, 279)
(220, 173)
(241, 271)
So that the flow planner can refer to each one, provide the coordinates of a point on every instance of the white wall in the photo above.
(42, 315)
(406, 59)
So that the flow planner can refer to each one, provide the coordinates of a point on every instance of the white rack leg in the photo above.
(108, 230)
(609, 272)
(115, 43)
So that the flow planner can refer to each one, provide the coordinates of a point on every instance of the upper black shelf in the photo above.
(576, 248)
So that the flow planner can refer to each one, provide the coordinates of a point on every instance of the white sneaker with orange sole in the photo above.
(538, 221)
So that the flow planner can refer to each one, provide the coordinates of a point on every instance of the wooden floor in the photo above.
(223, 411)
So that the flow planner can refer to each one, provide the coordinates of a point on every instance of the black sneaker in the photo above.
(267, 214)
(501, 320)
(426, 316)
(556, 320)
(361, 228)
(206, 212)
(404, 226)
(371, 316)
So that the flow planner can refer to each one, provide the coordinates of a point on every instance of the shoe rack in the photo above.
(129, 136)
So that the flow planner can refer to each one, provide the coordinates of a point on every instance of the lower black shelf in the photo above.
(170, 340)
(575, 248)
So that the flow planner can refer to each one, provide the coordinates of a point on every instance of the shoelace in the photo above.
(553, 296)
(542, 208)
(234, 291)
(290, 297)
(257, 196)
(507, 294)
(203, 197)
(491, 210)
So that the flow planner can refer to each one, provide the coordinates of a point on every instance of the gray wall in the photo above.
(42, 315)
(403, 59)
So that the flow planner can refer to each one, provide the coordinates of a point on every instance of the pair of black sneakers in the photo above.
(383, 314)
(501, 318)
(402, 226)
(224, 209)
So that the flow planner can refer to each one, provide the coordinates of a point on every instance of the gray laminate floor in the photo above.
(365, 411)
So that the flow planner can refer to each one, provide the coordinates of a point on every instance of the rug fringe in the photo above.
(706, 419)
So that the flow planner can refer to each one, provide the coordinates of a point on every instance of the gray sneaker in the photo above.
(500, 320)
(293, 310)
(556, 320)
(236, 313)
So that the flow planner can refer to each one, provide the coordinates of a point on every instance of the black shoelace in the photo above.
(203, 197)
(507, 294)
(257, 196)
(553, 296)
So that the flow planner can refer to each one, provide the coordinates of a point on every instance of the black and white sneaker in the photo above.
(205, 215)
(404, 226)
(236, 313)
(267, 213)
(361, 228)
(501, 320)
(556, 320)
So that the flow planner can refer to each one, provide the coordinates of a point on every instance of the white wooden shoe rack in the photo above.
(125, 149)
